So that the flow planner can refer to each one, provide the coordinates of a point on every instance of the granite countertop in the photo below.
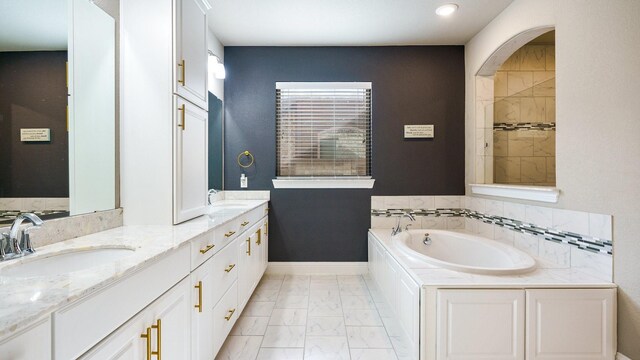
(427, 275)
(26, 300)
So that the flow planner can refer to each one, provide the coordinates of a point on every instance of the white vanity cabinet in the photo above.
(31, 343)
(160, 330)
(251, 263)
(163, 110)
(190, 73)
(190, 160)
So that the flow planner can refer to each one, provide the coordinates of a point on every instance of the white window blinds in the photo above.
(323, 129)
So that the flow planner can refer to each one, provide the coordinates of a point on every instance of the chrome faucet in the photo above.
(19, 244)
(210, 193)
(398, 229)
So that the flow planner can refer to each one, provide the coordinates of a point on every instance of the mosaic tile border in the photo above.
(583, 242)
(524, 126)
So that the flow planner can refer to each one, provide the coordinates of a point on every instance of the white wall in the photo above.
(216, 86)
(597, 87)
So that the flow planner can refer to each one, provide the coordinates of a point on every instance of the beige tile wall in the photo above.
(524, 92)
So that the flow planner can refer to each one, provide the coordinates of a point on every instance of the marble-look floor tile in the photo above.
(269, 284)
(284, 336)
(368, 337)
(250, 325)
(280, 354)
(326, 326)
(292, 302)
(373, 354)
(324, 294)
(240, 348)
(354, 289)
(258, 308)
(357, 302)
(288, 317)
(325, 308)
(326, 348)
(362, 318)
(273, 277)
(264, 295)
(402, 347)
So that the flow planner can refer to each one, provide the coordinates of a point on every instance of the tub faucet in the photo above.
(398, 229)
(19, 244)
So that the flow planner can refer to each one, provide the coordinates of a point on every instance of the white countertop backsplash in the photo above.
(24, 301)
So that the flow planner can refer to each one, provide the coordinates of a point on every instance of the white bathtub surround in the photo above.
(548, 234)
(515, 316)
(56, 230)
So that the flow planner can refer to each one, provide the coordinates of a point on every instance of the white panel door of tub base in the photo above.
(571, 324)
(480, 324)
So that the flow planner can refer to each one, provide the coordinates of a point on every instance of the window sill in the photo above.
(535, 193)
(323, 183)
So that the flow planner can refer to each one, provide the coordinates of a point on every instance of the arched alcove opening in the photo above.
(515, 112)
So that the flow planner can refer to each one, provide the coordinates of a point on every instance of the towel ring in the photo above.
(248, 154)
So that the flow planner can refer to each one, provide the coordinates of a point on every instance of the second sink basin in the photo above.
(65, 262)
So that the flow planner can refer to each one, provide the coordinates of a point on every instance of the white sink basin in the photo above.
(65, 262)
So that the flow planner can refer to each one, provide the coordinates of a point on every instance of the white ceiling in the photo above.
(348, 22)
(29, 25)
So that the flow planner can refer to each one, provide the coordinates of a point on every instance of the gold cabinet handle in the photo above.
(228, 317)
(229, 233)
(199, 304)
(147, 336)
(230, 267)
(182, 121)
(244, 223)
(249, 246)
(158, 327)
(266, 228)
(259, 232)
(181, 65)
(207, 248)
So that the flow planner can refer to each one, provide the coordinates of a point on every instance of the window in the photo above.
(323, 130)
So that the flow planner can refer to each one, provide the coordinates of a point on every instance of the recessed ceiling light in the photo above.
(447, 9)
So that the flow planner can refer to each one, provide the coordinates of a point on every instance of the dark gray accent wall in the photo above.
(33, 94)
(410, 85)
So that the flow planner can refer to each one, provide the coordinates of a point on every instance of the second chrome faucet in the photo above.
(17, 243)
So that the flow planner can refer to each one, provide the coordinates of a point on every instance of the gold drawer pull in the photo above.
(229, 233)
(199, 304)
(158, 327)
(181, 65)
(244, 223)
(259, 232)
(207, 248)
(147, 336)
(228, 317)
(230, 267)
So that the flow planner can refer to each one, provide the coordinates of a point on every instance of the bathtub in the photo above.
(463, 252)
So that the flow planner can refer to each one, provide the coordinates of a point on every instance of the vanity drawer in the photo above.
(225, 315)
(202, 248)
(251, 218)
(225, 271)
(225, 233)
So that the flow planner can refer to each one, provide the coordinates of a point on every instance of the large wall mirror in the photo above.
(57, 108)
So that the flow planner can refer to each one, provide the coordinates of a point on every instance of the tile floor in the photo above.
(321, 317)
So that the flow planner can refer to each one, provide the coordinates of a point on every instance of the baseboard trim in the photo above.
(318, 268)
(620, 356)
